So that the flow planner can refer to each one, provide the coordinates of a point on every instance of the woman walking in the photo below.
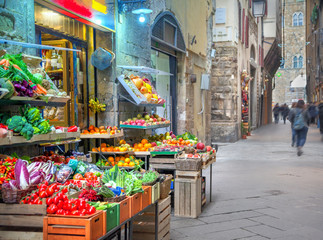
(299, 119)
(276, 111)
(292, 110)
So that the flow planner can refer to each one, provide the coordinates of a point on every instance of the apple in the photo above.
(208, 148)
(171, 132)
(154, 119)
(163, 119)
(143, 90)
(159, 119)
(139, 116)
(153, 144)
(131, 122)
(190, 155)
(137, 121)
(147, 117)
(173, 136)
(126, 123)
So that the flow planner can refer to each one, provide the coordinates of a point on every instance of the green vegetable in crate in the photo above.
(5, 83)
(81, 168)
(27, 131)
(106, 192)
(33, 115)
(43, 126)
(16, 123)
(38, 78)
(149, 176)
(36, 130)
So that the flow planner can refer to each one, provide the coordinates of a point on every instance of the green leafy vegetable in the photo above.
(27, 131)
(16, 123)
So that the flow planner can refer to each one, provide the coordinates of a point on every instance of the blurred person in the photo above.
(285, 112)
(313, 111)
(299, 118)
(276, 111)
(291, 111)
(320, 114)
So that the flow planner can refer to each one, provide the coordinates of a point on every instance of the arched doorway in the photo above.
(167, 44)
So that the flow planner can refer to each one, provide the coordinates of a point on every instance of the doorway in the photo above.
(165, 87)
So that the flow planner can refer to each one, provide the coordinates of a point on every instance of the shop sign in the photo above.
(99, 14)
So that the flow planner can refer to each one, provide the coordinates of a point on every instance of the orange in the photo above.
(144, 141)
(91, 127)
(103, 131)
(110, 159)
(112, 132)
(116, 149)
(103, 149)
(86, 132)
(131, 164)
(122, 142)
(117, 159)
(109, 149)
(92, 131)
(103, 145)
(122, 158)
(96, 129)
(140, 145)
(125, 165)
(142, 149)
(127, 160)
(120, 164)
(94, 150)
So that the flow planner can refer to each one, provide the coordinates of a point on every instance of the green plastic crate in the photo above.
(113, 217)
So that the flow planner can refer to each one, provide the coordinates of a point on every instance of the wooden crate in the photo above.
(144, 224)
(163, 162)
(207, 161)
(188, 174)
(146, 196)
(187, 197)
(21, 221)
(76, 228)
(155, 192)
(135, 204)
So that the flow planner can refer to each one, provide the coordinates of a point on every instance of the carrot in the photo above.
(3, 62)
(16, 66)
(40, 88)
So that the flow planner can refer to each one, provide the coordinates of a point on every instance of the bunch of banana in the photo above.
(96, 106)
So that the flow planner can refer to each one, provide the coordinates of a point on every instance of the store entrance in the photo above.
(67, 70)
(165, 86)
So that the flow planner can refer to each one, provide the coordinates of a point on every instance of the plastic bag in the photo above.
(102, 58)
(93, 168)
(82, 167)
(73, 163)
(64, 173)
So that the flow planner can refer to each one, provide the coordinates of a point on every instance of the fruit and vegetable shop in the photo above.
(90, 143)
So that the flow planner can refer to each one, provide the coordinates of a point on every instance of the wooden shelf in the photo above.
(102, 136)
(54, 71)
(145, 127)
(43, 101)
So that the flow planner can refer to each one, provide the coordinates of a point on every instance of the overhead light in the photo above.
(142, 18)
(259, 8)
(98, 21)
(142, 11)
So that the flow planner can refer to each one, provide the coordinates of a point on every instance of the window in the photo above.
(300, 62)
(295, 62)
(300, 19)
(295, 18)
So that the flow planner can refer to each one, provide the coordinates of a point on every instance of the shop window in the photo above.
(170, 32)
(295, 62)
(295, 18)
(300, 62)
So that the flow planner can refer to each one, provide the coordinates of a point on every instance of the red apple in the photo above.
(208, 148)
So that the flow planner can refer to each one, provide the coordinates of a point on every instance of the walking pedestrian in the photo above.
(299, 119)
(285, 112)
(276, 112)
(320, 113)
(313, 111)
(292, 110)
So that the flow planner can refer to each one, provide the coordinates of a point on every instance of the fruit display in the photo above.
(101, 130)
(96, 106)
(122, 161)
(145, 119)
(143, 86)
(123, 147)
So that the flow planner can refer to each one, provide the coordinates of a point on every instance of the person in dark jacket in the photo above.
(320, 113)
(276, 111)
(291, 112)
(285, 112)
(312, 109)
(299, 119)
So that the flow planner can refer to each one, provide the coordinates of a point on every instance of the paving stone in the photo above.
(229, 235)
(253, 238)
(186, 222)
(230, 216)
(276, 223)
(265, 231)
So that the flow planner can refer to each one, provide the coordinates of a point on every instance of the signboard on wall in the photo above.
(99, 14)
(222, 34)
(220, 16)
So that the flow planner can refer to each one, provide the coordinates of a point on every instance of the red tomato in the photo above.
(76, 212)
(67, 207)
(78, 176)
(49, 201)
(52, 209)
(88, 175)
(60, 211)
(60, 204)
(92, 210)
(49, 191)
(42, 194)
(56, 200)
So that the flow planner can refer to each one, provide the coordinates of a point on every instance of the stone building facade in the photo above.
(293, 67)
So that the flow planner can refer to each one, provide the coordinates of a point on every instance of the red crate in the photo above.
(125, 212)
(135, 203)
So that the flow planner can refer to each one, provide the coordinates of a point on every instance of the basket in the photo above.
(153, 182)
(14, 196)
(115, 199)
(165, 186)
(188, 164)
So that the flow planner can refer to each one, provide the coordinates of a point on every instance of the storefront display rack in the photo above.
(102, 136)
(145, 127)
(42, 101)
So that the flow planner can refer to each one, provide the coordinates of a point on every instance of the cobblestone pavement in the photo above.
(262, 190)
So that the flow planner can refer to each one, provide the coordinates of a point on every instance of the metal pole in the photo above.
(211, 182)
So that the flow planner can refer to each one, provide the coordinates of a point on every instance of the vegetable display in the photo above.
(149, 176)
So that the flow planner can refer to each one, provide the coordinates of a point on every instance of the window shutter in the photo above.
(247, 31)
(243, 29)
(266, 8)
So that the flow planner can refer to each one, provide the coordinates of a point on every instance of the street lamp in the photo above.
(258, 8)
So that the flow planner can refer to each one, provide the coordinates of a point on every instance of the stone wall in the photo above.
(17, 23)
(224, 127)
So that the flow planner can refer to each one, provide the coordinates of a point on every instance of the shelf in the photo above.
(54, 71)
(102, 136)
(144, 69)
(43, 101)
(112, 153)
(162, 153)
(58, 138)
(59, 143)
(145, 127)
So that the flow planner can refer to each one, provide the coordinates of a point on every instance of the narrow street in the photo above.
(262, 190)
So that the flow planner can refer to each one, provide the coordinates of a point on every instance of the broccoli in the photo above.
(27, 131)
(33, 115)
(44, 126)
(16, 123)
(36, 130)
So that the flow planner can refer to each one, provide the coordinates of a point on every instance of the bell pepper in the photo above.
(3, 126)
(72, 129)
